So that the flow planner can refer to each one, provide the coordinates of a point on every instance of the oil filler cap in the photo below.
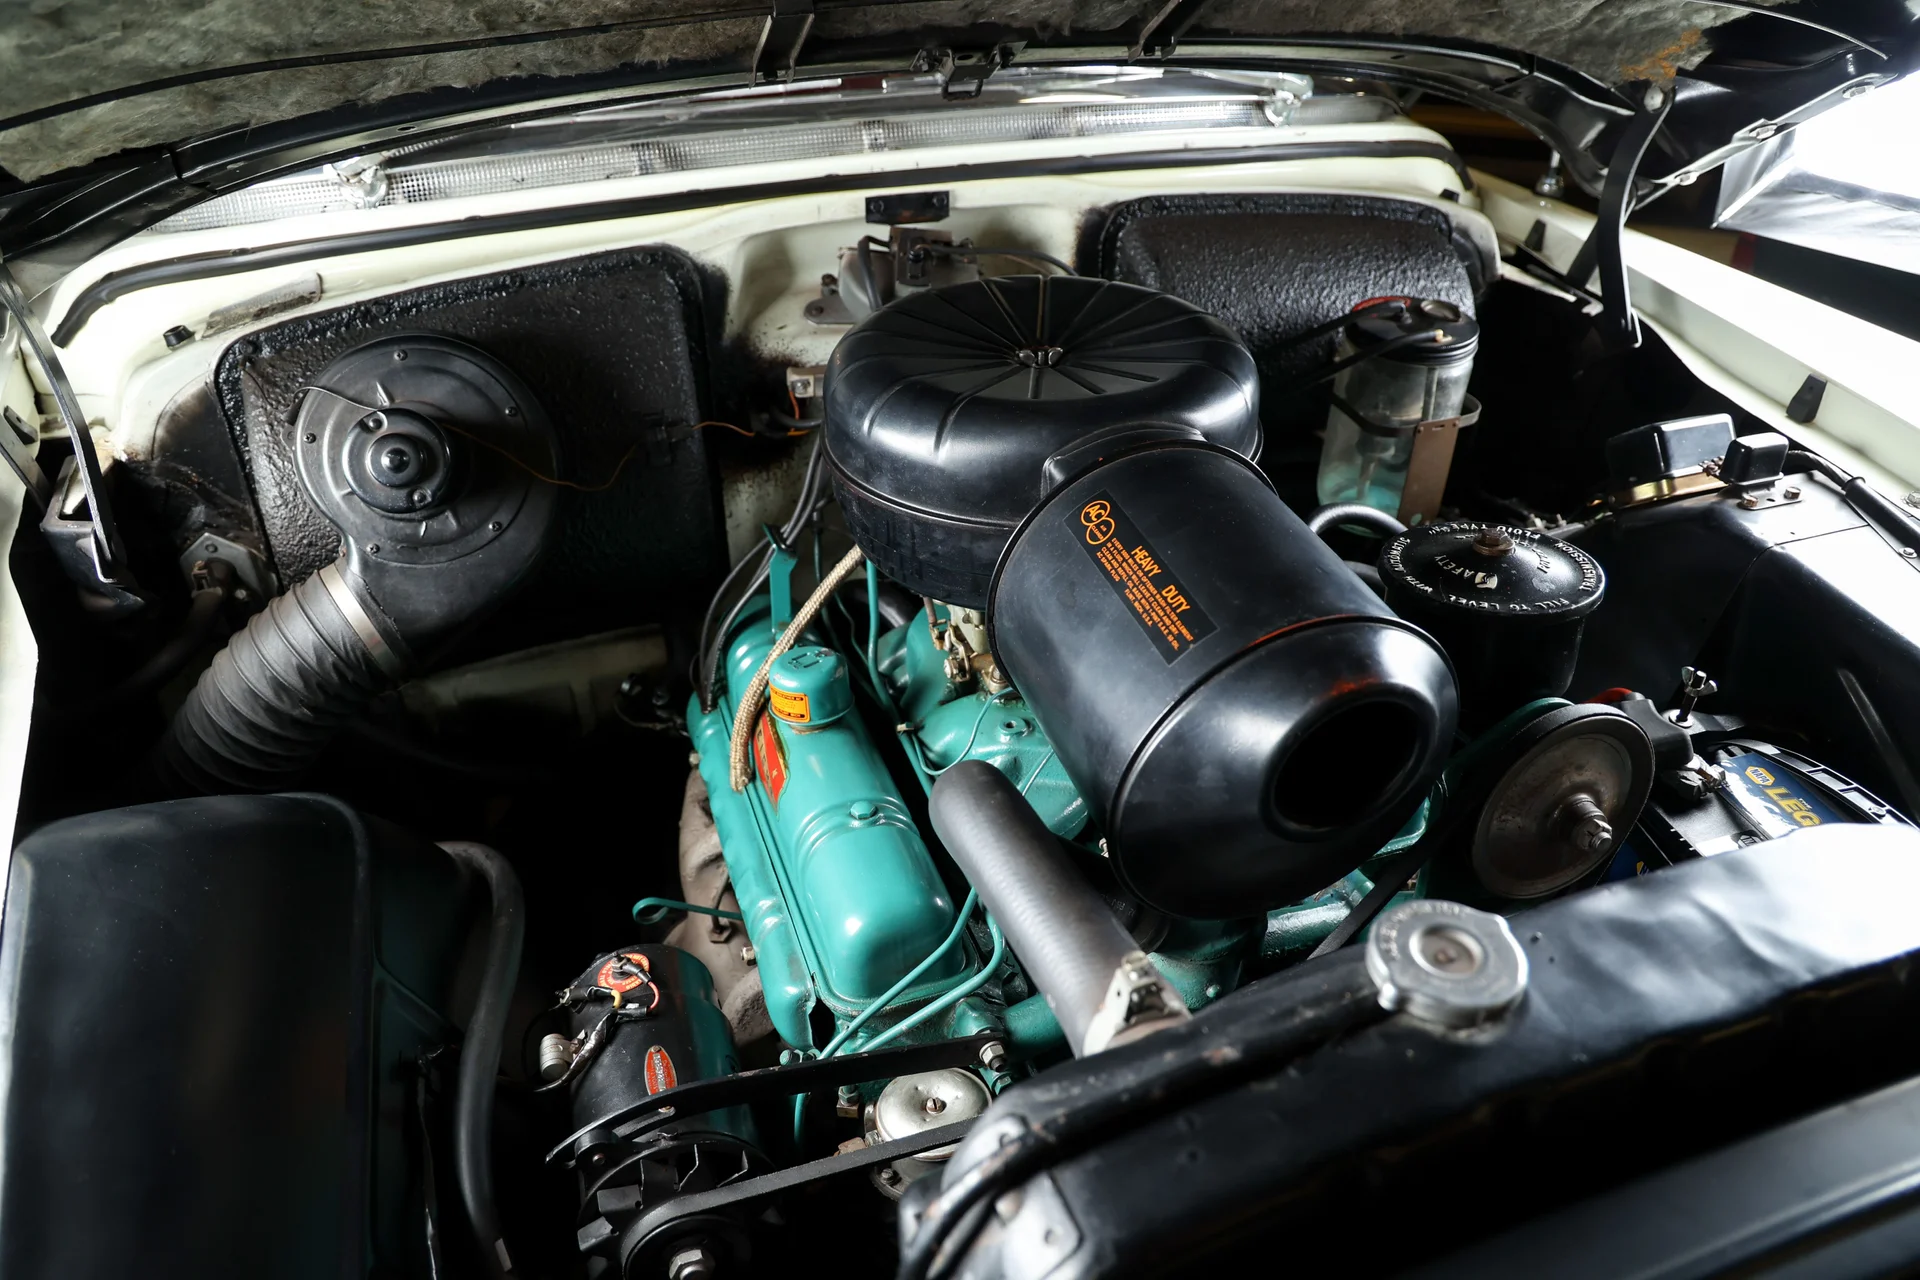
(1445, 963)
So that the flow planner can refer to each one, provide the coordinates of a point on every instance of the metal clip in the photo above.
(1139, 1001)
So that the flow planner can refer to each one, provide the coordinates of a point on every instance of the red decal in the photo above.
(618, 973)
(660, 1073)
(770, 759)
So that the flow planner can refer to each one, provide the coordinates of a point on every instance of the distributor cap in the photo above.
(1470, 567)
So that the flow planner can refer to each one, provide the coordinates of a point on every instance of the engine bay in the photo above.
(899, 650)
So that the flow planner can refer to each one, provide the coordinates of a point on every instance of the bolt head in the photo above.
(692, 1264)
(1790, 493)
(1909, 553)
(1448, 950)
(1592, 835)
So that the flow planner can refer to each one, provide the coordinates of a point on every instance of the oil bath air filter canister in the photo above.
(1245, 717)
(943, 407)
(1507, 605)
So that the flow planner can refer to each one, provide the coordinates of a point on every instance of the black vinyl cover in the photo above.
(211, 1008)
(1664, 1015)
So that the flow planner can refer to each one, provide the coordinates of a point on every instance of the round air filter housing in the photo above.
(944, 408)
(1508, 605)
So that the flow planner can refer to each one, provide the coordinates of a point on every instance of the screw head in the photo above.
(420, 497)
(400, 355)
(310, 437)
(1856, 90)
(1447, 950)
(1910, 553)
(373, 548)
(494, 526)
(512, 410)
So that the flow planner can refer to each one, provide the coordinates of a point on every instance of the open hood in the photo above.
(168, 104)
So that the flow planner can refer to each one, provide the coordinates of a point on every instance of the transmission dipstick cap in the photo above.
(1445, 963)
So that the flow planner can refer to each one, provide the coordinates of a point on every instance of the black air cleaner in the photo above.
(1247, 720)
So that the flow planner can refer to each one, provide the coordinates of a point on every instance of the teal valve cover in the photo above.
(840, 894)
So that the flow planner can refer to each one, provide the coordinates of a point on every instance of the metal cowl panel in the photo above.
(944, 408)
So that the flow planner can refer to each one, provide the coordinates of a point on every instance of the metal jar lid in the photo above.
(1452, 336)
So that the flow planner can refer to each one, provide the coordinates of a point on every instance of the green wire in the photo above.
(657, 909)
(920, 769)
(952, 997)
(973, 737)
(887, 997)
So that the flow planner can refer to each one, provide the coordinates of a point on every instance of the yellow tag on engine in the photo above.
(789, 706)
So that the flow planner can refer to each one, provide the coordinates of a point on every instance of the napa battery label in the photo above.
(1776, 799)
(1155, 598)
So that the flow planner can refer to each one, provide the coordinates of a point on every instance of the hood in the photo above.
(90, 79)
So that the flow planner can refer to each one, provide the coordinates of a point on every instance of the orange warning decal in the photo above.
(660, 1073)
(1160, 605)
(770, 759)
(790, 706)
(623, 972)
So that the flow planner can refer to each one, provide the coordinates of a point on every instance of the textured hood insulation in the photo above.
(56, 50)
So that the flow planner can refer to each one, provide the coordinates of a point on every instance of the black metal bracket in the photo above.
(900, 207)
(778, 52)
(775, 1082)
(964, 72)
(88, 545)
(1164, 24)
(1619, 328)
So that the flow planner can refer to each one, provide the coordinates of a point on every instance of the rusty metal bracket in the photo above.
(786, 30)
(1163, 26)
(964, 72)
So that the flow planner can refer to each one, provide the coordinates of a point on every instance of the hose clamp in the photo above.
(385, 656)
(1139, 1001)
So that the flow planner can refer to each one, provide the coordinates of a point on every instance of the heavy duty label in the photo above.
(660, 1073)
(770, 759)
(1157, 601)
(790, 706)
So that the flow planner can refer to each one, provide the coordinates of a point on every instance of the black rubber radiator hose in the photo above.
(282, 689)
(1062, 930)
